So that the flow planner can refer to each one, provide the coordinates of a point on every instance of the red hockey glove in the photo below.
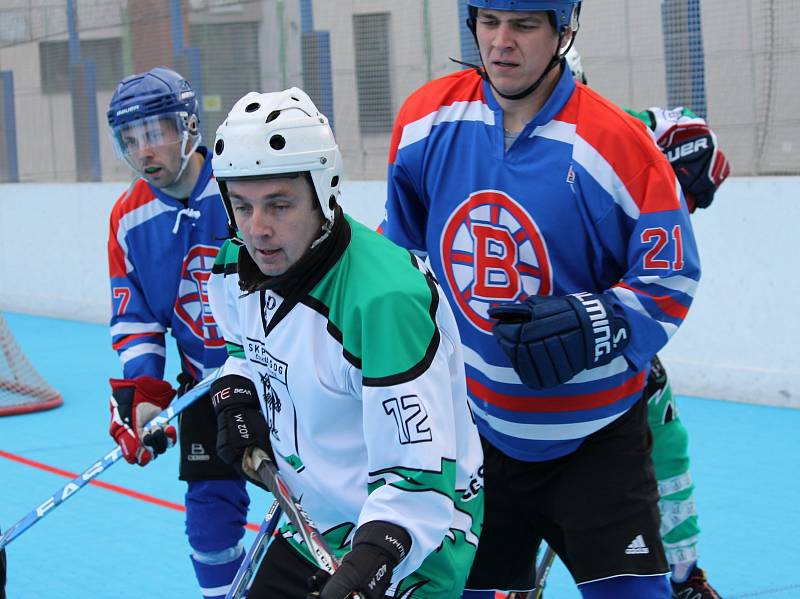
(691, 148)
(134, 402)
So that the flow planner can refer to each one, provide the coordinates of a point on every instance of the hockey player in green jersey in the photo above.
(344, 363)
(700, 167)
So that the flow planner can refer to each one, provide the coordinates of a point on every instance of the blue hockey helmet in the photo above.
(564, 13)
(140, 106)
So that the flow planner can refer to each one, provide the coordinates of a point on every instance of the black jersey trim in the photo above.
(394, 379)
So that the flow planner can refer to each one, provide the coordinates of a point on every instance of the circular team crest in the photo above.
(192, 303)
(492, 253)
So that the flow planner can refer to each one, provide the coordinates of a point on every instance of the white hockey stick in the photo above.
(268, 473)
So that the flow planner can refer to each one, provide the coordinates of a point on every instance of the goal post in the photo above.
(22, 388)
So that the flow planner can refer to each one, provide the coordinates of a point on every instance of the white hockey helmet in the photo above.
(278, 133)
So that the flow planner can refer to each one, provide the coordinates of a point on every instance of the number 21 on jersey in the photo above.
(659, 238)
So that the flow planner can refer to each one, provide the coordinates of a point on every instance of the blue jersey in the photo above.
(160, 252)
(583, 200)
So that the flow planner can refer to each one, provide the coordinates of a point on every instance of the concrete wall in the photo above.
(738, 342)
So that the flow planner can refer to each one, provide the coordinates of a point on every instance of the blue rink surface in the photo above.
(99, 543)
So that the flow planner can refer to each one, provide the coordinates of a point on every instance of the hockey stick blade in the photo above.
(249, 565)
(268, 473)
(75, 485)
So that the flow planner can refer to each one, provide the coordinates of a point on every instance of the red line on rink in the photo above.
(98, 483)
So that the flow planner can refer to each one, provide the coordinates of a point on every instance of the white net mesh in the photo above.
(735, 61)
(22, 389)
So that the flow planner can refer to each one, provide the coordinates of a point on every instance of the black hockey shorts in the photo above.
(197, 435)
(596, 507)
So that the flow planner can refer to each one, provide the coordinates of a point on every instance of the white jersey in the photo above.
(361, 380)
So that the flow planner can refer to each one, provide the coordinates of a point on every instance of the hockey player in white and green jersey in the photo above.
(344, 362)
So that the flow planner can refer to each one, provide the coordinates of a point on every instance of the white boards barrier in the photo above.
(739, 341)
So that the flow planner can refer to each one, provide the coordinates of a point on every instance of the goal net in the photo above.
(22, 388)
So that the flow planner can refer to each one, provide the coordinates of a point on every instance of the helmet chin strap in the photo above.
(185, 156)
(481, 69)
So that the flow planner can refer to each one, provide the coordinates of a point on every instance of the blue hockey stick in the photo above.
(73, 486)
(248, 567)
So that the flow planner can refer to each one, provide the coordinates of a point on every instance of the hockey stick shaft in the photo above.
(77, 483)
(269, 475)
(542, 570)
(251, 561)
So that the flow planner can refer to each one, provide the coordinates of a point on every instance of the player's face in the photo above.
(154, 151)
(515, 46)
(278, 220)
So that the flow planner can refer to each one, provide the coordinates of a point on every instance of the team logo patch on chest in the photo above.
(268, 367)
(191, 305)
(492, 253)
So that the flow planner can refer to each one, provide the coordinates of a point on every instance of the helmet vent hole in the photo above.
(295, 99)
(272, 116)
(219, 146)
(332, 202)
(258, 162)
(277, 142)
(334, 181)
(252, 107)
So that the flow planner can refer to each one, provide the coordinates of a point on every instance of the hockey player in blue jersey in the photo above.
(564, 245)
(166, 230)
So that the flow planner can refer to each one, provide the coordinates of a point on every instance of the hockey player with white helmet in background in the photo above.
(166, 230)
(344, 364)
(556, 228)
(701, 167)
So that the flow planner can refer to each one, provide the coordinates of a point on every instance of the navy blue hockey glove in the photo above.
(551, 339)
(240, 423)
(367, 569)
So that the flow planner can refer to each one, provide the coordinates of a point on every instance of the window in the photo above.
(54, 63)
(229, 60)
(373, 77)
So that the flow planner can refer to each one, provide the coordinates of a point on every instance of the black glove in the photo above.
(367, 569)
(240, 423)
(551, 339)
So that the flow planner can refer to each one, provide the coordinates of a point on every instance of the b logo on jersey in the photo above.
(191, 306)
(492, 253)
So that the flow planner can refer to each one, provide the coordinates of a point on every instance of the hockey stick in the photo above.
(268, 474)
(68, 490)
(542, 570)
(249, 565)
